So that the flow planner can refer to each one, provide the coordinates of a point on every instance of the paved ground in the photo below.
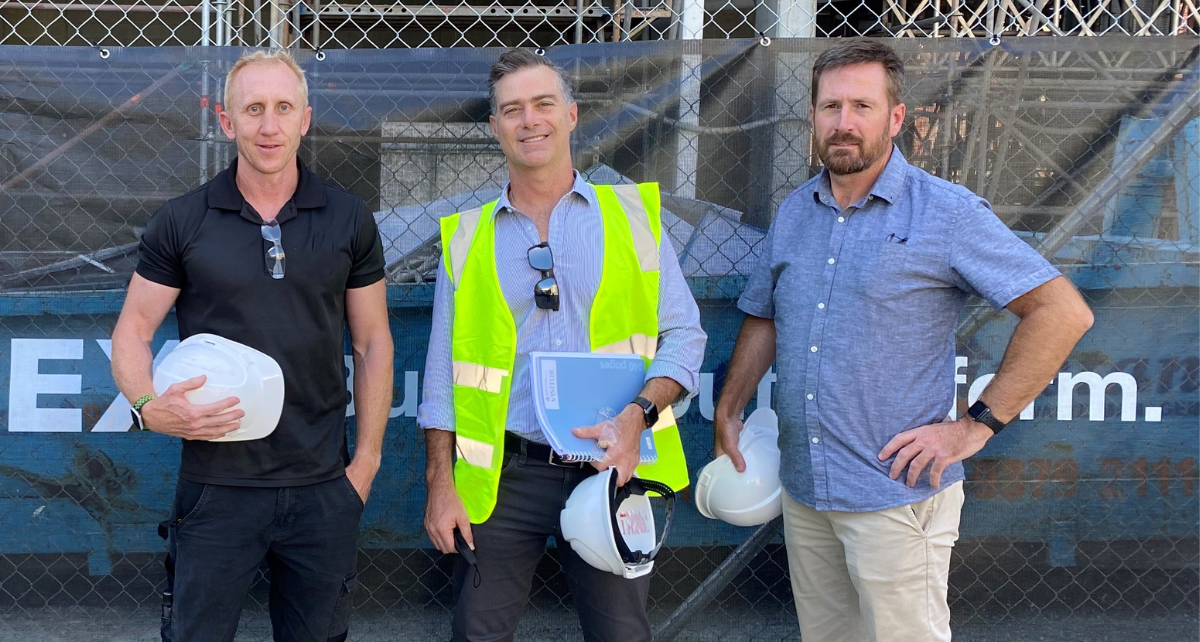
(419, 625)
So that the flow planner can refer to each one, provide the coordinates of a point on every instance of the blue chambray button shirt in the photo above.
(865, 302)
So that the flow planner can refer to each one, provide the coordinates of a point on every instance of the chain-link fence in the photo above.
(1089, 148)
(320, 24)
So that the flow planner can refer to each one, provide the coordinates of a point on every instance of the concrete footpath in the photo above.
(421, 625)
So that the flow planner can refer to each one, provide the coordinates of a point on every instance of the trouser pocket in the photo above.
(340, 627)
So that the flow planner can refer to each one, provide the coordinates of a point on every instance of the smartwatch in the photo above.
(137, 411)
(649, 410)
(980, 412)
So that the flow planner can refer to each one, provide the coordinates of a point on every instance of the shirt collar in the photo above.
(580, 187)
(223, 192)
(887, 186)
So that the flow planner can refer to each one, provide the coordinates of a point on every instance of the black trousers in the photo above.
(508, 547)
(219, 535)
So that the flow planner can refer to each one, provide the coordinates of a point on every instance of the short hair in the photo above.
(515, 60)
(281, 56)
(857, 51)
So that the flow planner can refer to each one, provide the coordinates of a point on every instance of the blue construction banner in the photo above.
(1089, 149)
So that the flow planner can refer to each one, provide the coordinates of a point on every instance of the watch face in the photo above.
(137, 419)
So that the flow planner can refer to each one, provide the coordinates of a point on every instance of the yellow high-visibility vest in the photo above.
(624, 320)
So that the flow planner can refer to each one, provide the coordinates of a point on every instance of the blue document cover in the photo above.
(570, 389)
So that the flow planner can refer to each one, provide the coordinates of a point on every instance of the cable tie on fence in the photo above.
(995, 40)
(104, 52)
(320, 55)
(541, 51)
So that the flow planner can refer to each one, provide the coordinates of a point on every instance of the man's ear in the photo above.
(897, 123)
(226, 124)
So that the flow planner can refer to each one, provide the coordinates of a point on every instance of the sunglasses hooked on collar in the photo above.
(273, 233)
(545, 292)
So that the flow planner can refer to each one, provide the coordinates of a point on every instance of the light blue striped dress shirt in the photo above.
(576, 233)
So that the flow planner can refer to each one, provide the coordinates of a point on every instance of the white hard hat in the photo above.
(232, 370)
(755, 496)
(612, 528)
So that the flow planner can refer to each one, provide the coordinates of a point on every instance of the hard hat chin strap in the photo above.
(638, 486)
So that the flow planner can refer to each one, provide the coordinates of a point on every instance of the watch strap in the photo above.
(136, 411)
(980, 412)
(141, 401)
(649, 410)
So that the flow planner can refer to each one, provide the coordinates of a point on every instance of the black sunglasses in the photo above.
(545, 292)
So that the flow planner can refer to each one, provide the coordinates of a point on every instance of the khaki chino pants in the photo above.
(879, 576)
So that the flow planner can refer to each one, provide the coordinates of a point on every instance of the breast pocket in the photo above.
(876, 270)
(319, 264)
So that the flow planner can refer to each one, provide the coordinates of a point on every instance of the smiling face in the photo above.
(533, 120)
(266, 115)
(853, 121)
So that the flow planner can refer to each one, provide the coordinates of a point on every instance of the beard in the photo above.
(851, 161)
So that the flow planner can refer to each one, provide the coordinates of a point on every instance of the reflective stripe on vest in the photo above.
(473, 375)
(636, 344)
(624, 320)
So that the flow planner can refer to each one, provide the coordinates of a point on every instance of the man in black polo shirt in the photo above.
(294, 497)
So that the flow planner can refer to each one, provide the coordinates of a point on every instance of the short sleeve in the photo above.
(160, 256)
(987, 259)
(367, 266)
(758, 299)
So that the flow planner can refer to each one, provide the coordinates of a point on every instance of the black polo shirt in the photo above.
(208, 243)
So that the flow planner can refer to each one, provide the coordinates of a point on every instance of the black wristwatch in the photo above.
(980, 412)
(649, 410)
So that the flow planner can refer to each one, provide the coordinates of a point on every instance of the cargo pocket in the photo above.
(166, 530)
(189, 497)
(340, 627)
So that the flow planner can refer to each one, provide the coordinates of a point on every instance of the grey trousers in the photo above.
(508, 547)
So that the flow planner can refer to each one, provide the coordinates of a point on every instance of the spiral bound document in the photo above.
(571, 388)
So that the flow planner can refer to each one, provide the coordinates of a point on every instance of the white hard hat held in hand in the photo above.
(231, 370)
(613, 528)
(755, 496)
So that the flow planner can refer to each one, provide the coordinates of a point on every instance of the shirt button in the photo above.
(820, 306)
(558, 342)
(813, 349)
(816, 440)
(810, 397)
(831, 261)
(841, 219)
(870, 197)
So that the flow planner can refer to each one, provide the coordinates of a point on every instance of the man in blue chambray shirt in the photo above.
(862, 279)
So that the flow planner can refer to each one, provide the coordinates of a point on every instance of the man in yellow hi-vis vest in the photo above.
(554, 264)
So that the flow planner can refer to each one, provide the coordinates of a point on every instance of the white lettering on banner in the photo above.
(977, 389)
(1096, 387)
(959, 378)
(116, 417)
(706, 395)
(407, 408)
(25, 383)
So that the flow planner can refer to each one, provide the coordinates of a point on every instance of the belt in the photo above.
(537, 452)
